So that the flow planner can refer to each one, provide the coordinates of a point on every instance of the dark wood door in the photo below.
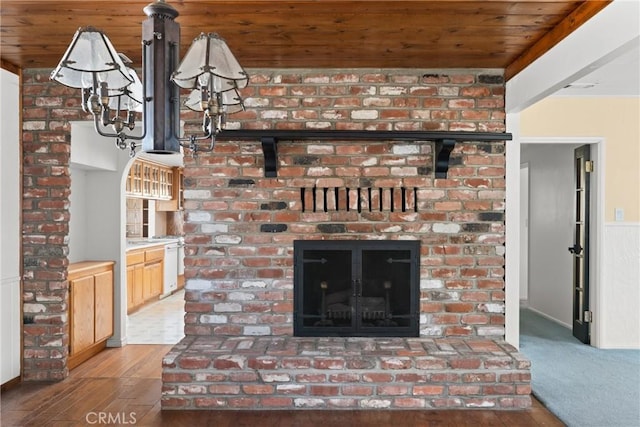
(580, 248)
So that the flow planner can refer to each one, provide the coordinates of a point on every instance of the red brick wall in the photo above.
(47, 109)
(230, 260)
(240, 227)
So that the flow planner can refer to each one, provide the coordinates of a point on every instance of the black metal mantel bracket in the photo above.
(270, 151)
(445, 141)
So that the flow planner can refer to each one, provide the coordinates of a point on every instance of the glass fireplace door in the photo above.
(356, 288)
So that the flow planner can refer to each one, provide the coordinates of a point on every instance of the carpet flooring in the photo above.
(582, 385)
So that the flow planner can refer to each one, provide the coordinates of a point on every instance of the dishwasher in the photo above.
(170, 268)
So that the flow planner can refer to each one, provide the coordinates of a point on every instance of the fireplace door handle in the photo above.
(357, 289)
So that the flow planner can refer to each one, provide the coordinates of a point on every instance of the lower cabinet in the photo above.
(135, 274)
(145, 276)
(91, 309)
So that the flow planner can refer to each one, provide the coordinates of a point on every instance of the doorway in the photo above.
(153, 240)
(524, 234)
(551, 224)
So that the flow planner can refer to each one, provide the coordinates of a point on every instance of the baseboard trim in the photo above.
(10, 384)
(546, 316)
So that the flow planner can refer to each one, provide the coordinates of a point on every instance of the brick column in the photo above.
(45, 214)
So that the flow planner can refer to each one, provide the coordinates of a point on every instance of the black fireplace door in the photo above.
(356, 288)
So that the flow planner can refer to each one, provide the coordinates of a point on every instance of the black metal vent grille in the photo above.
(360, 199)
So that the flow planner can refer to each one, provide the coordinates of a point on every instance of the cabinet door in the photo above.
(155, 182)
(138, 284)
(153, 276)
(146, 180)
(157, 280)
(178, 189)
(168, 194)
(104, 305)
(128, 189)
(130, 288)
(134, 181)
(147, 282)
(82, 313)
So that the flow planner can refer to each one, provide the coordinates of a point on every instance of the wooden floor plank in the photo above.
(127, 382)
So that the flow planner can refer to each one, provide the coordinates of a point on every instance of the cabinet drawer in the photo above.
(136, 257)
(154, 254)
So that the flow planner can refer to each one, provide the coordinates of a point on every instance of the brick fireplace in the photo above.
(240, 350)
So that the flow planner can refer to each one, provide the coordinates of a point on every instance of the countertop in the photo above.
(84, 268)
(145, 242)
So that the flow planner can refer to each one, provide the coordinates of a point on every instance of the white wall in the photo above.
(550, 229)
(78, 215)
(621, 286)
(9, 227)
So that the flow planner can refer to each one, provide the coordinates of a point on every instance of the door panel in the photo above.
(82, 313)
(385, 297)
(103, 305)
(580, 247)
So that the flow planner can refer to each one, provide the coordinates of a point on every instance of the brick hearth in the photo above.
(344, 373)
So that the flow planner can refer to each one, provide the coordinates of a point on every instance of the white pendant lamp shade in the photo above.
(91, 60)
(231, 101)
(130, 97)
(209, 62)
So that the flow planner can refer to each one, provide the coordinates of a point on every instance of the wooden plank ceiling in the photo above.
(311, 34)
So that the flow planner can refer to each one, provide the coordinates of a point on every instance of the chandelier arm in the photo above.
(195, 147)
(121, 135)
(194, 138)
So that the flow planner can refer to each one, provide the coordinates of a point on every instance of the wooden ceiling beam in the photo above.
(579, 16)
(6, 65)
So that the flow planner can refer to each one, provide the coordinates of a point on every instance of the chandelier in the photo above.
(113, 93)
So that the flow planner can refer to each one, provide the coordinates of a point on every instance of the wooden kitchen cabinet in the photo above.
(103, 293)
(145, 276)
(135, 296)
(91, 309)
(177, 193)
(82, 313)
(134, 180)
(166, 183)
(150, 180)
(152, 280)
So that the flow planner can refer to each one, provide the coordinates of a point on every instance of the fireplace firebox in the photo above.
(356, 288)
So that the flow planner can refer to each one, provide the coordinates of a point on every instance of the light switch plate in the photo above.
(619, 214)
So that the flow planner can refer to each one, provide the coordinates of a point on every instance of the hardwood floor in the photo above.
(121, 386)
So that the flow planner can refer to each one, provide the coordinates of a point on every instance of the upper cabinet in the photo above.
(151, 180)
(175, 189)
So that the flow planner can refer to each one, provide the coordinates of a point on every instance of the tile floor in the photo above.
(159, 323)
